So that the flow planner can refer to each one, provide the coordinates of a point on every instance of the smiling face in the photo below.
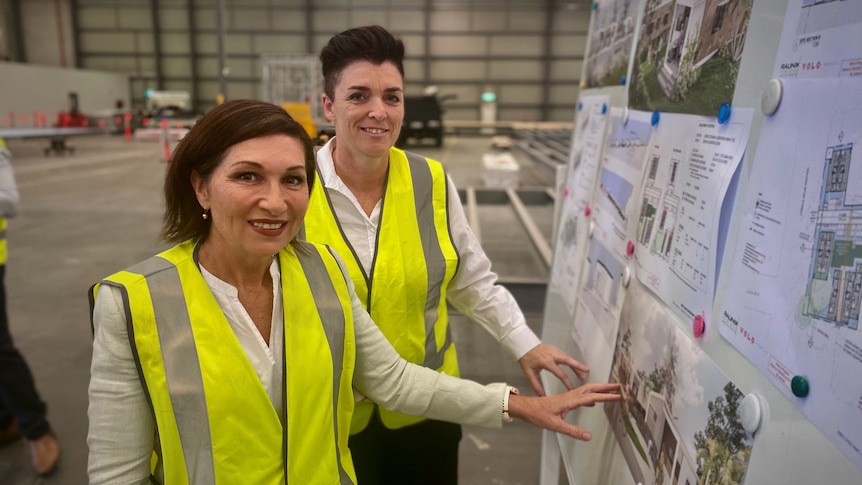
(367, 108)
(257, 197)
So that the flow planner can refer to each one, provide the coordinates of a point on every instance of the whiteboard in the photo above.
(787, 448)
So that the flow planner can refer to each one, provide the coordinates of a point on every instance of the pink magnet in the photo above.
(630, 249)
(565, 191)
(587, 211)
(698, 327)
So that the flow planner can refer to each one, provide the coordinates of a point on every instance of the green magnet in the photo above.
(799, 386)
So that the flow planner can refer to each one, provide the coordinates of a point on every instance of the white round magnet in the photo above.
(749, 413)
(771, 97)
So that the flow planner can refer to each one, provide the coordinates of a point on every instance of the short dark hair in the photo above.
(203, 149)
(370, 43)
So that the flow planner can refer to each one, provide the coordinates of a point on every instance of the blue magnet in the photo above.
(623, 80)
(580, 106)
(655, 117)
(595, 5)
(724, 113)
(604, 108)
(799, 386)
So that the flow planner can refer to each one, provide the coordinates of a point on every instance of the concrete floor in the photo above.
(86, 215)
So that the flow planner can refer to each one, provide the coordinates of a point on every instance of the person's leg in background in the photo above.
(422, 454)
(19, 399)
(368, 452)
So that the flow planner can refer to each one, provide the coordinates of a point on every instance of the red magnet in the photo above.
(630, 249)
(587, 211)
(698, 327)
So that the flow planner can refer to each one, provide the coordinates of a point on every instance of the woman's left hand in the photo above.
(549, 412)
(549, 358)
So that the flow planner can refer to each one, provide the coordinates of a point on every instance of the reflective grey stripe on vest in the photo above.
(182, 368)
(332, 316)
(423, 185)
(3, 234)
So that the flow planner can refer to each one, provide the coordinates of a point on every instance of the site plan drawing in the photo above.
(795, 284)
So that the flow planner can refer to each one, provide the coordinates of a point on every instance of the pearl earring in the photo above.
(205, 216)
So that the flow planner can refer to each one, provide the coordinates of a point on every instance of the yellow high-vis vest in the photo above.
(214, 421)
(414, 261)
(3, 250)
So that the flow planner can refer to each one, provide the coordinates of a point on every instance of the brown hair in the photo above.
(371, 43)
(204, 148)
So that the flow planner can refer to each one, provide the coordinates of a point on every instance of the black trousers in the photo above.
(18, 397)
(422, 454)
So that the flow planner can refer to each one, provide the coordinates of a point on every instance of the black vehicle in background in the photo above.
(423, 120)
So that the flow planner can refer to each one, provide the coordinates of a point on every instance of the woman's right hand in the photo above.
(549, 411)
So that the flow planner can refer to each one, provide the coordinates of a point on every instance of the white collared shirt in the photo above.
(473, 291)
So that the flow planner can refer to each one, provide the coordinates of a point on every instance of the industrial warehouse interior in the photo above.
(668, 189)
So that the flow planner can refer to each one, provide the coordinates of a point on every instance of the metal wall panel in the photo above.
(449, 21)
(458, 46)
(489, 21)
(458, 70)
(175, 43)
(530, 55)
(519, 94)
(174, 67)
(569, 45)
(370, 17)
(515, 70)
(522, 45)
(248, 19)
(97, 18)
(114, 42)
